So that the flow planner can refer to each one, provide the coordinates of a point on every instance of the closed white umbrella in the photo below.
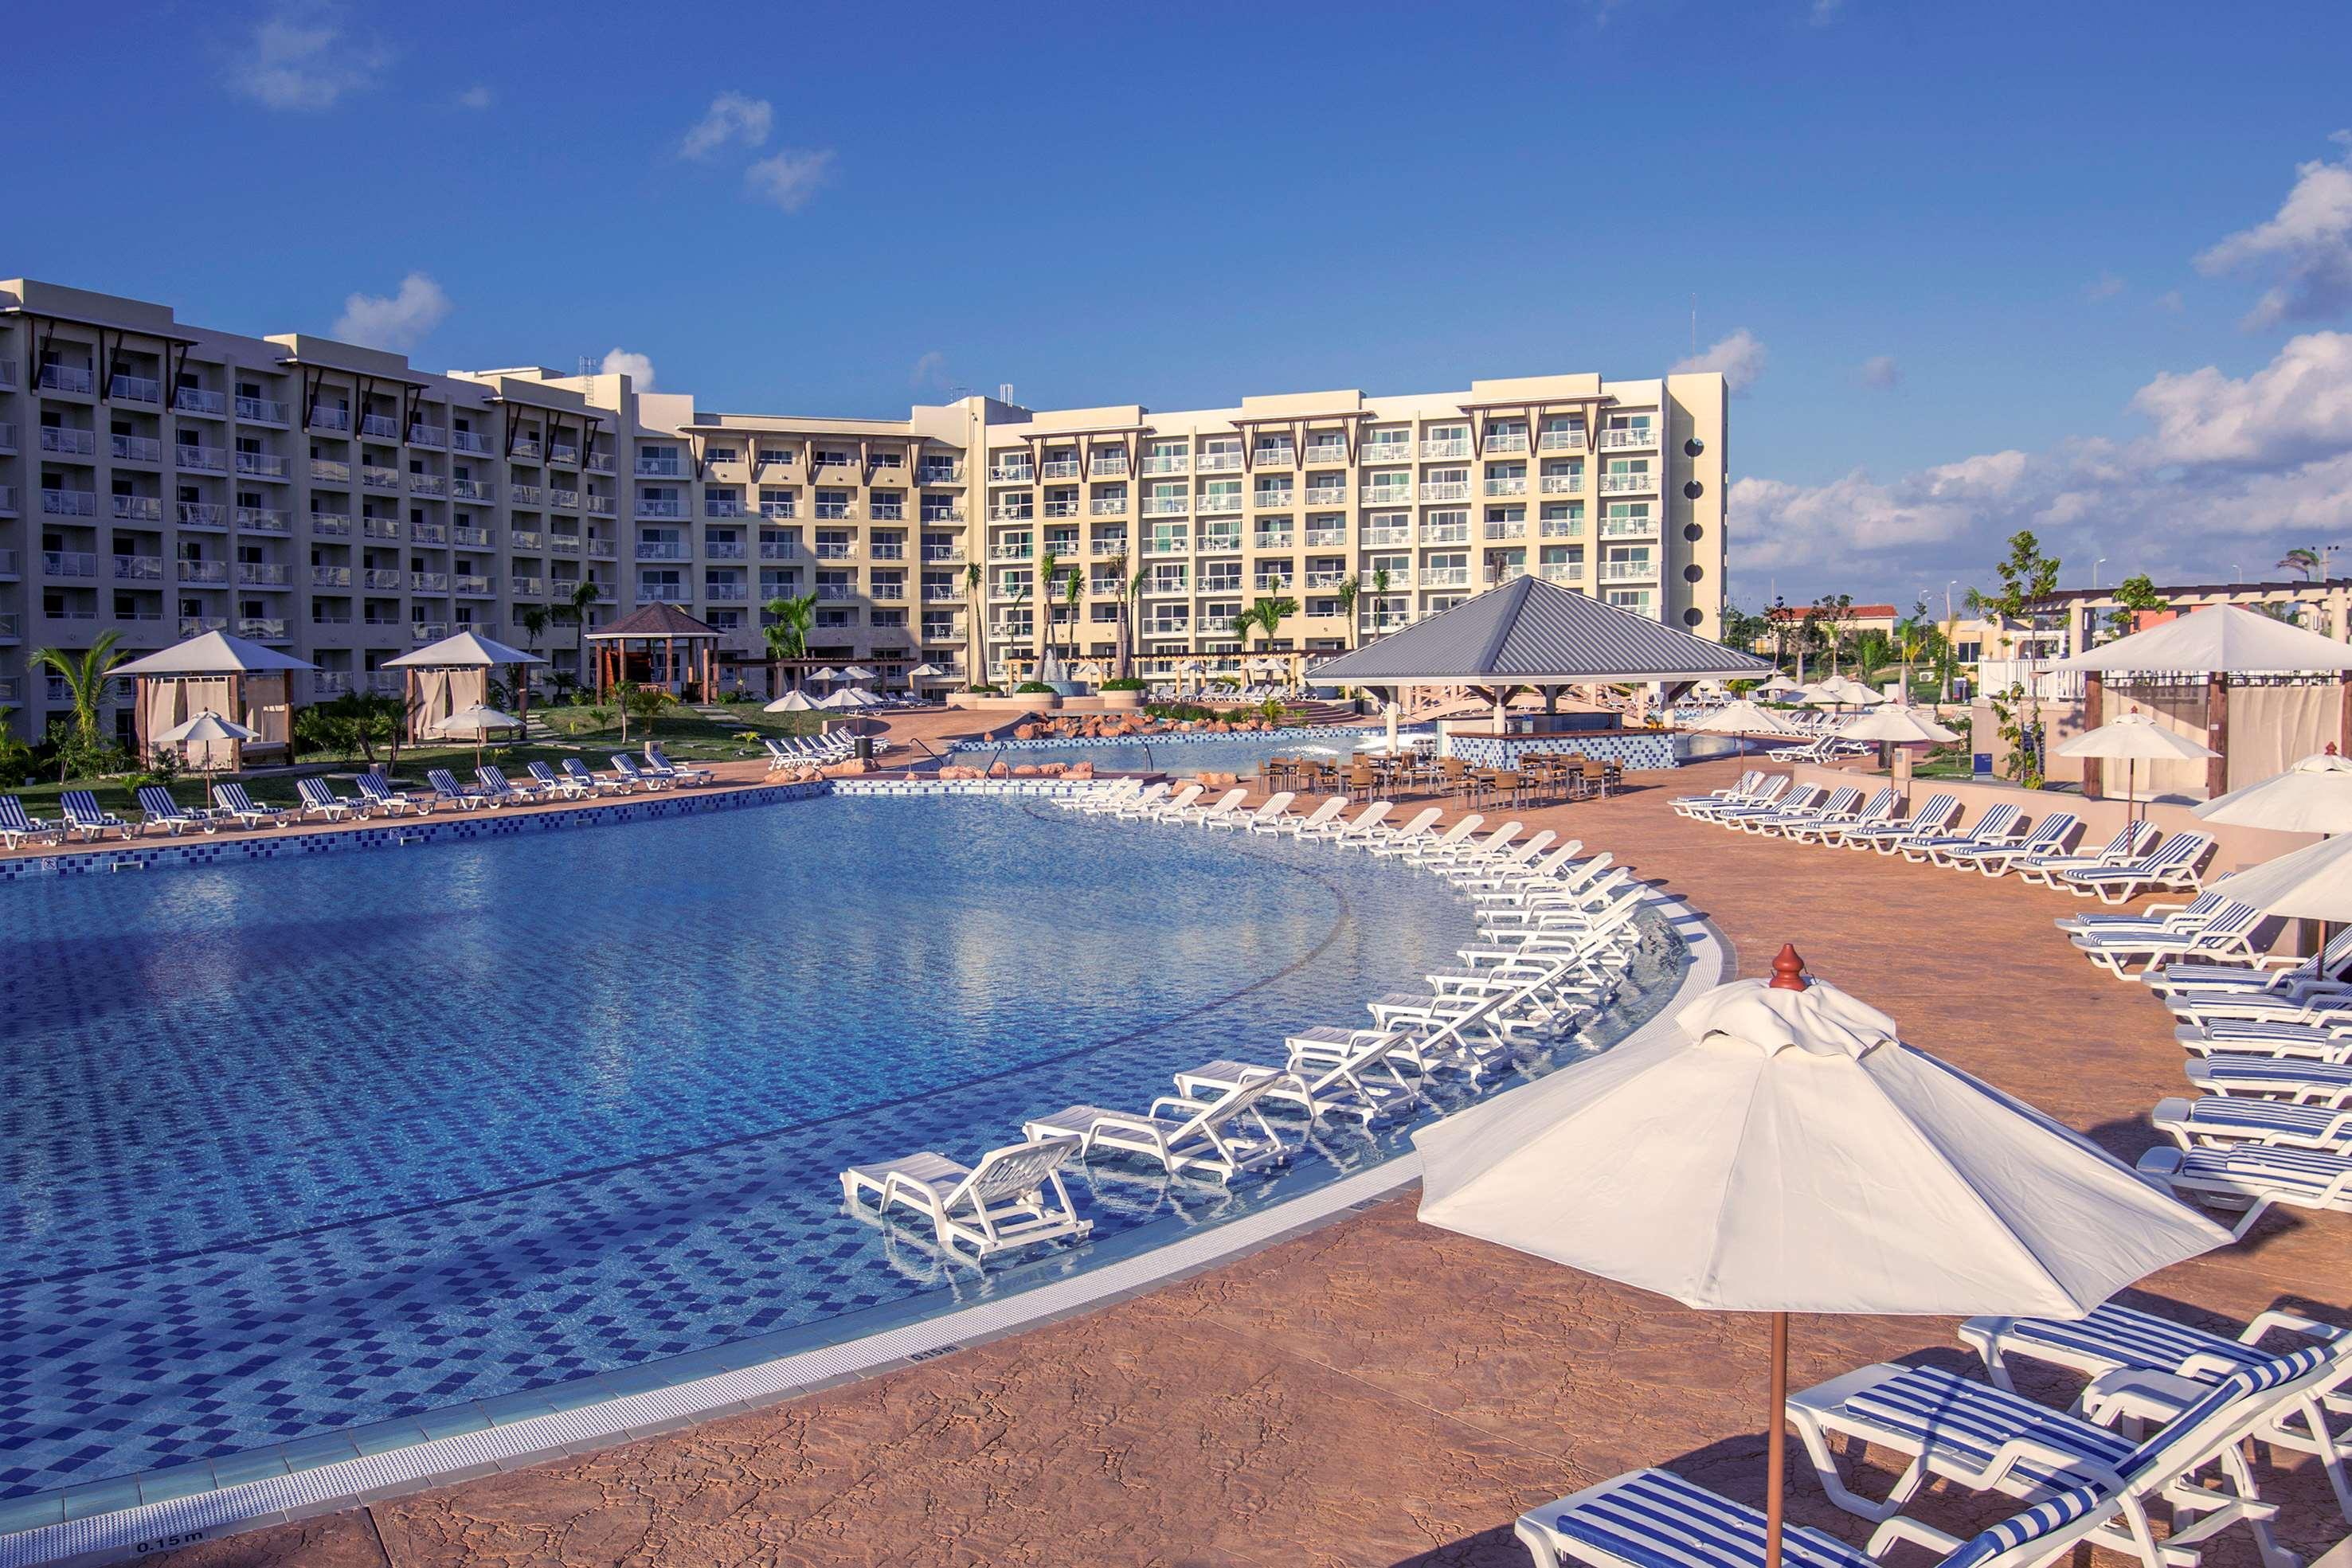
(2314, 796)
(791, 702)
(2314, 882)
(2132, 737)
(1788, 1153)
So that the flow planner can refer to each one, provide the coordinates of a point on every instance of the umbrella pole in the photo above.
(1776, 1441)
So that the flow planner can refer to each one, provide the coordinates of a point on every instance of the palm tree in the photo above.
(1381, 590)
(1070, 592)
(533, 619)
(2305, 562)
(1349, 588)
(1020, 597)
(84, 675)
(1271, 613)
(1123, 665)
(788, 634)
(584, 599)
(976, 606)
(1049, 574)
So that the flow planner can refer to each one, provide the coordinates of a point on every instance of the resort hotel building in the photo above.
(160, 480)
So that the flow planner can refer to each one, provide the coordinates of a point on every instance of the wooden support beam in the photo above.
(2217, 734)
(2094, 712)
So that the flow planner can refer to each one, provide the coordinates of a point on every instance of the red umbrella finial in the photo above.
(1789, 970)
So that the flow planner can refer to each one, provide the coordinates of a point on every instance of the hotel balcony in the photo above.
(201, 515)
(531, 495)
(134, 389)
(472, 490)
(326, 471)
(1021, 474)
(1447, 490)
(74, 378)
(1113, 546)
(942, 592)
(1220, 462)
(1386, 451)
(60, 442)
(262, 628)
(70, 503)
(428, 533)
(1627, 484)
(1504, 444)
(470, 538)
(1275, 542)
(1561, 484)
(1508, 486)
(261, 411)
(1629, 571)
(1445, 533)
(260, 465)
(658, 549)
(1449, 446)
(373, 478)
(1331, 495)
(1166, 464)
(1562, 528)
(137, 508)
(1326, 539)
(1386, 494)
(1518, 530)
(780, 549)
(381, 580)
(383, 529)
(1560, 441)
(323, 525)
(428, 631)
(1627, 440)
(1391, 534)
(936, 554)
(330, 577)
(721, 506)
(134, 569)
(379, 426)
(1629, 528)
(135, 448)
(204, 571)
(834, 511)
(196, 459)
(723, 549)
(336, 418)
(939, 474)
(660, 467)
(835, 550)
(1274, 457)
(662, 511)
(1062, 468)
(428, 582)
(473, 585)
(262, 574)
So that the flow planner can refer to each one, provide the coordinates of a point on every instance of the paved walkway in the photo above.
(1378, 1392)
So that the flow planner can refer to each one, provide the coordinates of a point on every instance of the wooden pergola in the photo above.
(674, 650)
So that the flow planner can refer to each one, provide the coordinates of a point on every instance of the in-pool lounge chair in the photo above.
(1225, 805)
(85, 816)
(1432, 843)
(1012, 1199)
(658, 761)
(376, 794)
(158, 809)
(318, 798)
(1185, 1137)
(1361, 1081)
(1364, 827)
(230, 799)
(1263, 819)
(579, 773)
(1422, 828)
(2172, 864)
(1317, 820)
(17, 827)
(446, 790)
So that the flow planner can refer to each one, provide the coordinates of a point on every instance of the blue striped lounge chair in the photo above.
(2330, 1009)
(2287, 1041)
(1934, 818)
(495, 787)
(578, 773)
(658, 761)
(1803, 797)
(231, 801)
(1984, 1438)
(1012, 1199)
(17, 827)
(2131, 840)
(549, 785)
(2238, 1073)
(85, 816)
(2217, 1120)
(1761, 800)
(1827, 828)
(1220, 1138)
(446, 790)
(2254, 1177)
(1653, 1518)
(376, 794)
(318, 798)
(2229, 932)
(2272, 978)
(2173, 864)
(625, 768)
(1998, 825)
(2054, 835)
(158, 809)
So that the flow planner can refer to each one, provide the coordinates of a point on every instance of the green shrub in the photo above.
(1028, 688)
(1132, 684)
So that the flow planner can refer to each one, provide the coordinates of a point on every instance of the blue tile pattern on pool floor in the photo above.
(292, 1145)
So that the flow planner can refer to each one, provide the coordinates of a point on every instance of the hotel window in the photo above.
(720, 455)
(1169, 538)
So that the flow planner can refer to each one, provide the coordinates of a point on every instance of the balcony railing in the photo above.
(1276, 541)
(330, 419)
(725, 593)
(262, 628)
(380, 579)
(1447, 490)
(428, 533)
(1562, 528)
(202, 515)
(835, 550)
(137, 569)
(135, 448)
(262, 574)
(476, 586)
(1283, 456)
(260, 465)
(779, 550)
(428, 582)
(472, 490)
(563, 500)
(428, 436)
(204, 571)
(1629, 571)
(1629, 528)
(135, 389)
(70, 503)
(663, 549)
(327, 471)
(66, 442)
(938, 473)
(330, 577)
(1445, 576)
(1507, 530)
(1060, 468)
(1623, 440)
(1623, 484)
(1446, 446)
(532, 496)
(470, 538)
(428, 631)
(64, 379)
(1504, 442)
(1167, 463)
(599, 507)
(380, 527)
(889, 512)
(138, 508)
(384, 427)
(1560, 441)
(835, 512)
(1392, 534)
(1386, 494)
(1218, 501)
(469, 441)
(1507, 485)
(1326, 539)
(1279, 500)
(563, 456)
(1445, 533)
(261, 410)
(379, 478)
(200, 459)
(600, 462)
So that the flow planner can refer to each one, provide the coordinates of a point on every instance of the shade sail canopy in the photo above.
(476, 721)
(791, 702)
(1531, 631)
(2310, 883)
(655, 621)
(1741, 718)
(2314, 796)
(466, 650)
(213, 653)
(1786, 1152)
(2222, 640)
(1901, 724)
(205, 728)
(2138, 737)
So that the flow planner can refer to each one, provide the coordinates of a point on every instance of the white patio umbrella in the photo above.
(1788, 1153)
(478, 721)
(1741, 718)
(1778, 685)
(2314, 882)
(2132, 737)
(1897, 724)
(858, 672)
(849, 696)
(827, 674)
(791, 702)
(2314, 796)
(203, 729)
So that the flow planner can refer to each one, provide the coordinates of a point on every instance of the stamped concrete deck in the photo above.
(1377, 1391)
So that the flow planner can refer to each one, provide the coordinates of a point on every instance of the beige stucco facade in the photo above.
(159, 479)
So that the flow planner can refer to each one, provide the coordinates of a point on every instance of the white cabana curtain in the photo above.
(269, 709)
(212, 694)
(2274, 727)
(468, 688)
(430, 704)
(161, 707)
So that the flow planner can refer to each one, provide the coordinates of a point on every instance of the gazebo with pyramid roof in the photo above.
(661, 645)
(242, 681)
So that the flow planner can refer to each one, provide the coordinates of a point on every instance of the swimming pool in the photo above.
(294, 1146)
(1206, 754)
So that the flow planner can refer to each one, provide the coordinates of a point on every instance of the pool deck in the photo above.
(1377, 1391)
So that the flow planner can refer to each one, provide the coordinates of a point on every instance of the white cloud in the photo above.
(2229, 468)
(2107, 286)
(1824, 12)
(1881, 373)
(476, 96)
(789, 178)
(732, 118)
(930, 371)
(2305, 249)
(397, 321)
(300, 56)
(1740, 358)
(638, 368)
(2170, 300)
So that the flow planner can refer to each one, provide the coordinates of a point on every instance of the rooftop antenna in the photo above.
(1004, 392)
(587, 366)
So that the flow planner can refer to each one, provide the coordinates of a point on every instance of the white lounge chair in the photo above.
(1832, 831)
(2273, 1078)
(657, 762)
(552, 786)
(1998, 825)
(376, 794)
(495, 787)
(448, 791)
(2052, 835)
(1225, 805)
(2219, 1121)
(625, 768)
(1803, 799)
(2171, 864)
(1399, 841)
(580, 773)
(1012, 1199)
(1414, 849)
(230, 799)
(17, 827)
(1762, 798)
(1269, 811)
(1750, 782)
(1317, 820)
(1933, 820)
(1153, 800)
(2255, 1177)
(158, 809)
(85, 816)
(1184, 1136)
(1362, 827)
(2229, 931)
(2131, 840)
(1362, 1082)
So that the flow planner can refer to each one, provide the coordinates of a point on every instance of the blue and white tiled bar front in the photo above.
(1637, 753)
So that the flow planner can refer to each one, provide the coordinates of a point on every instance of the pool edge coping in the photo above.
(343, 1484)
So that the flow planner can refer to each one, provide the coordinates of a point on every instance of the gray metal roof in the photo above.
(1532, 632)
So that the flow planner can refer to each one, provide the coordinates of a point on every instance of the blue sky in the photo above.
(1949, 250)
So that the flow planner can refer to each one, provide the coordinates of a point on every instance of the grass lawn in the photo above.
(687, 735)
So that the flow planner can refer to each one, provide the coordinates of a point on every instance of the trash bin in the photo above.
(865, 749)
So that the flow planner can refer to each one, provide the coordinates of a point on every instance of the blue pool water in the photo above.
(1217, 754)
(292, 1145)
